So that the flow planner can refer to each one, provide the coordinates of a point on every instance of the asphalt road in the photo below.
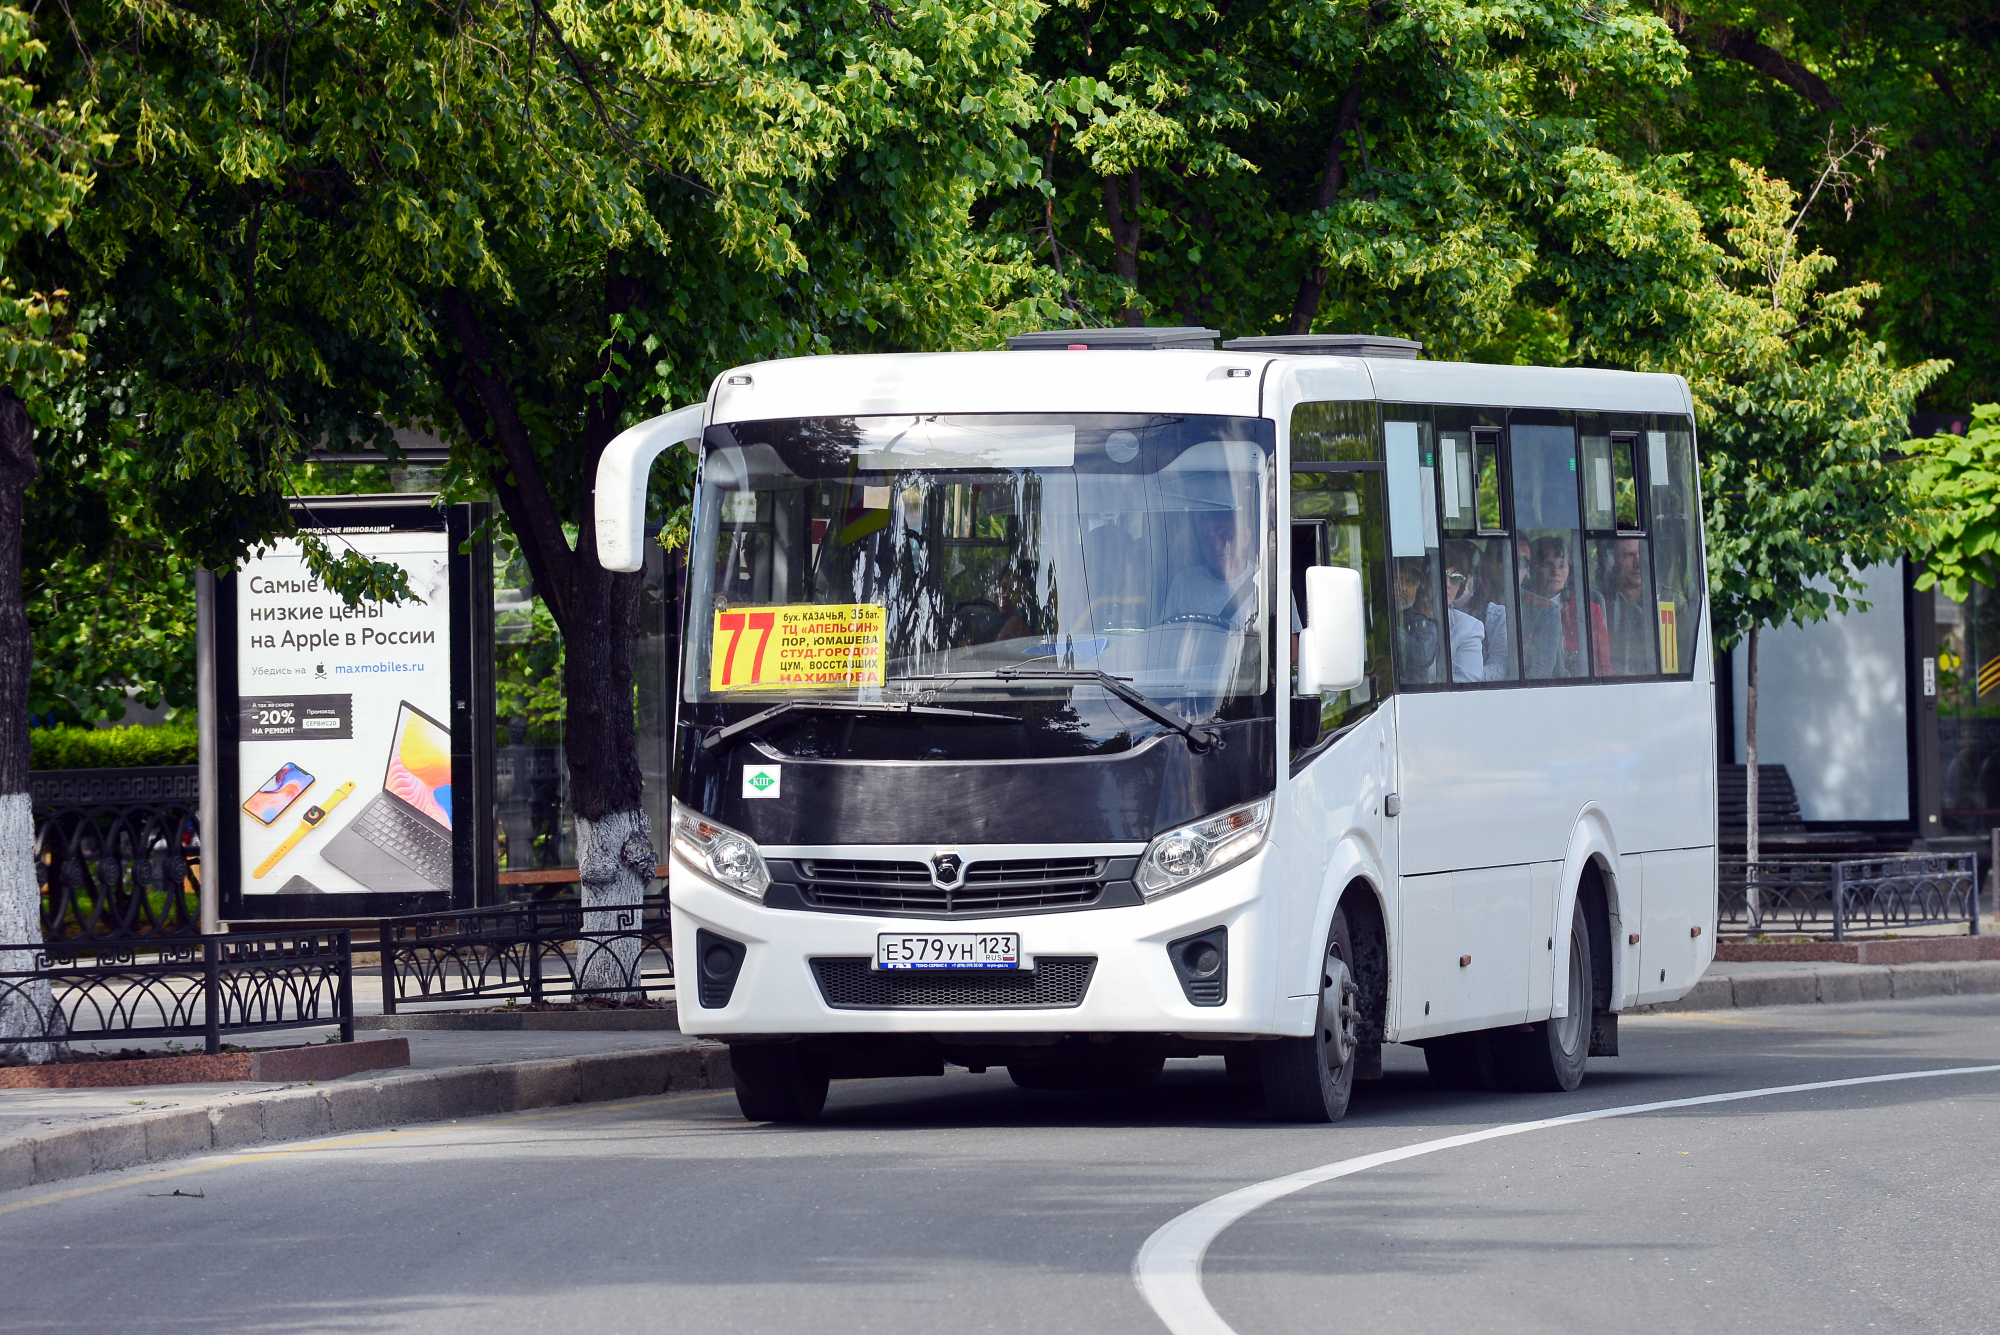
(964, 1204)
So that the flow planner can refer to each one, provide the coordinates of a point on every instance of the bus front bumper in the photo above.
(1133, 987)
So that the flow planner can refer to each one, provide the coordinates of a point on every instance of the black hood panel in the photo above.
(1129, 796)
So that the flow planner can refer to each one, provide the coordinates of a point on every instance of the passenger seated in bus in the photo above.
(1628, 620)
(1495, 578)
(1416, 629)
(1467, 614)
(1548, 616)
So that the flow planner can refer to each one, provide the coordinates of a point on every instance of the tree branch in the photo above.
(537, 523)
(1741, 45)
(1312, 286)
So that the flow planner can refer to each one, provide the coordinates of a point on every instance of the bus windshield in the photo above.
(903, 557)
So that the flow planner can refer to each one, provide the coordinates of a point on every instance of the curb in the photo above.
(295, 1112)
(1850, 982)
(488, 1021)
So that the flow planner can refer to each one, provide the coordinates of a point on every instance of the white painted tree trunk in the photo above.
(27, 1009)
(615, 864)
(1753, 893)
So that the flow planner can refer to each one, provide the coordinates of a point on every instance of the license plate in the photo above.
(948, 950)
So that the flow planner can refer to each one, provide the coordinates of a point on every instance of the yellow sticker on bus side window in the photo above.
(805, 645)
(1670, 640)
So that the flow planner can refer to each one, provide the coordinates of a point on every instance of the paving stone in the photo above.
(116, 1142)
(62, 1153)
(1922, 980)
(411, 1098)
(294, 1114)
(17, 1163)
(181, 1131)
(1776, 989)
(468, 1091)
(233, 1122)
(548, 1083)
(1980, 978)
(352, 1106)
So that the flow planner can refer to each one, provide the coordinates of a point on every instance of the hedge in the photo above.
(112, 748)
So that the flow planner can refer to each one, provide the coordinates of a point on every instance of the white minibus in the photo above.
(1118, 697)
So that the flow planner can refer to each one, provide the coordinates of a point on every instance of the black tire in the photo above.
(778, 1082)
(1110, 1075)
(1240, 1064)
(1463, 1061)
(1310, 1079)
(1549, 1055)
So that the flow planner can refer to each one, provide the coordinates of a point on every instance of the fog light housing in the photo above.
(721, 961)
(1201, 963)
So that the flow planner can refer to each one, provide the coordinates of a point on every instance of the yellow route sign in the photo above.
(804, 645)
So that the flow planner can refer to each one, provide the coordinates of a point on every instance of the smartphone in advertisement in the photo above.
(279, 791)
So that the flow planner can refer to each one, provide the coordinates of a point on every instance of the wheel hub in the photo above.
(1338, 1013)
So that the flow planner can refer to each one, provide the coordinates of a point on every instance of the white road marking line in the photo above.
(1168, 1268)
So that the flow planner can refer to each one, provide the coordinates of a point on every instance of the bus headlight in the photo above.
(731, 858)
(1179, 858)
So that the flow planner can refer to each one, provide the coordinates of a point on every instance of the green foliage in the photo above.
(1436, 165)
(1957, 480)
(110, 603)
(1768, 82)
(46, 147)
(1802, 414)
(71, 747)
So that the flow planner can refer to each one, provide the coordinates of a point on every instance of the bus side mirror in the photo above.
(1332, 648)
(620, 496)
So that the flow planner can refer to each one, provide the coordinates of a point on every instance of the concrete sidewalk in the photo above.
(47, 1135)
(1805, 983)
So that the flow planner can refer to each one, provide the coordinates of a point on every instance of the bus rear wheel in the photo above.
(1310, 1079)
(778, 1082)
(1549, 1055)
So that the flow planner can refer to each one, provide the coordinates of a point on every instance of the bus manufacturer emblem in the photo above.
(947, 871)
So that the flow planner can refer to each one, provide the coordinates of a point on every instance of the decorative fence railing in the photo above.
(205, 987)
(118, 853)
(1809, 895)
(543, 951)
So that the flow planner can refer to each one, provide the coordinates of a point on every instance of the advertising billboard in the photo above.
(350, 753)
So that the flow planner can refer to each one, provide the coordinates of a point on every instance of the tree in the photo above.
(47, 146)
(1956, 481)
(1802, 413)
(1767, 82)
(525, 225)
(1431, 169)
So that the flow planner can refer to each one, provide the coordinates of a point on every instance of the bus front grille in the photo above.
(994, 886)
(1056, 982)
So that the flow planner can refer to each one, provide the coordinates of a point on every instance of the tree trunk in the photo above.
(1753, 894)
(1332, 176)
(597, 612)
(27, 1010)
(1126, 230)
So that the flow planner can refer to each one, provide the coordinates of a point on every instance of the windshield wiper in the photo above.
(775, 712)
(1198, 739)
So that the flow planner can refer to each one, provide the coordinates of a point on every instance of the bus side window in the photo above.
(1479, 579)
(1423, 646)
(1558, 639)
(1337, 519)
(1679, 584)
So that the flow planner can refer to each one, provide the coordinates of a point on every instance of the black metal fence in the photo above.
(207, 987)
(1818, 896)
(542, 951)
(118, 853)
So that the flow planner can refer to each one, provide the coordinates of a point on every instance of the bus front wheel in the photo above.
(778, 1082)
(1310, 1079)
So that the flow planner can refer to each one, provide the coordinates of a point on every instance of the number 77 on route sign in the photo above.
(804, 645)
